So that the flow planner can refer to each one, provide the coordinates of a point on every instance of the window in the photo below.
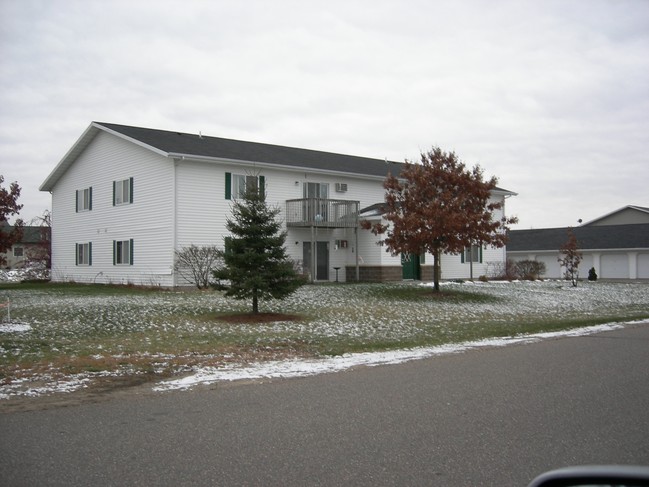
(123, 252)
(84, 199)
(123, 192)
(316, 190)
(236, 185)
(18, 251)
(472, 254)
(83, 253)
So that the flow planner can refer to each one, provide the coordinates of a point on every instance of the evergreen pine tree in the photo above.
(255, 263)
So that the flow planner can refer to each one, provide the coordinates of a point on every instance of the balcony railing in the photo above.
(317, 212)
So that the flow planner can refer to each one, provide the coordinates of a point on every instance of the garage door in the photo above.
(552, 268)
(585, 265)
(614, 266)
(643, 266)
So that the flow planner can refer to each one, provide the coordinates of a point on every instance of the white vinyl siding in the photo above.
(149, 223)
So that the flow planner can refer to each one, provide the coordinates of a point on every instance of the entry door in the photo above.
(410, 266)
(316, 195)
(322, 259)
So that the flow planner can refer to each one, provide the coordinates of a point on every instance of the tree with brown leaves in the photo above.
(439, 206)
(8, 207)
(570, 258)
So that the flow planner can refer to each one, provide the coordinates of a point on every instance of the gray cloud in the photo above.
(551, 97)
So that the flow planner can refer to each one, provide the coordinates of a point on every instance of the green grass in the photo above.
(78, 328)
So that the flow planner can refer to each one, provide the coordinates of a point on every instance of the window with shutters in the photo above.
(123, 252)
(84, 199)
(123, 192)
(237, 184)
(83, 253)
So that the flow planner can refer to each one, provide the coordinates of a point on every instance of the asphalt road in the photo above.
(488, 417)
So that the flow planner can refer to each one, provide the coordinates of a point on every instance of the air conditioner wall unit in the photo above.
(341, 187)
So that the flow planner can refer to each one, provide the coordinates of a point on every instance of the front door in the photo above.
(410, 266)
(321, 260)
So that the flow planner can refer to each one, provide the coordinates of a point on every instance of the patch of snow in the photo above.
(19, 275)
(304, 367)
(17, 387)
(14, 327)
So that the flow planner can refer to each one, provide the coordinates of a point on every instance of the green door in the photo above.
(411, 266)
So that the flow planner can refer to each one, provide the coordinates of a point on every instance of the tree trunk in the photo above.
(436, 270)
(255, 304)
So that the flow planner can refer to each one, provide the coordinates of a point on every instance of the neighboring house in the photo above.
(31, 245)
(616, 245)
(125, 198)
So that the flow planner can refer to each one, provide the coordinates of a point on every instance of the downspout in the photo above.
(313, 256)
(358, 271)
(174, 218)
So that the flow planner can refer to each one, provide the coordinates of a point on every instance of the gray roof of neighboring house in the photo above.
(640, 209)
(31, 234)
(594, 238)
(179, 144)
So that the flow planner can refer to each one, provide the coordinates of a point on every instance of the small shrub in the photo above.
(530, 270)
(503, 271)
(592, 275)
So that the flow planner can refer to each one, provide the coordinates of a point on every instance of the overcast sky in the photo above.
(550, 97)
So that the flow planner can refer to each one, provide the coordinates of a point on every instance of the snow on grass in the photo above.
(14, 327)
(62, 338)
(303, 368)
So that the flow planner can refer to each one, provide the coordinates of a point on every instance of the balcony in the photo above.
(322, 213)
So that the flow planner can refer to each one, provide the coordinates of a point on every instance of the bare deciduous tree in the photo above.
(41, 254)
(571, 258)
(195, 264)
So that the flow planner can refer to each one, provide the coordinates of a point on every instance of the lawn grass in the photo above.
(77, 328)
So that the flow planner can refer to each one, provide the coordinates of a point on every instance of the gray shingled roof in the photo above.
(31, 234)
(595, 238)
(203, 146)
(179, 144)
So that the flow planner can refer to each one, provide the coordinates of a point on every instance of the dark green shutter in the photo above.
(130, 247)
(90, 198)
(262, 185)
(89, 253)
(462, 255)
(130, 193)
(114, 191)
(114, 252)
(76, 254)
(76, 201)
(228, 186)
(481, 254)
